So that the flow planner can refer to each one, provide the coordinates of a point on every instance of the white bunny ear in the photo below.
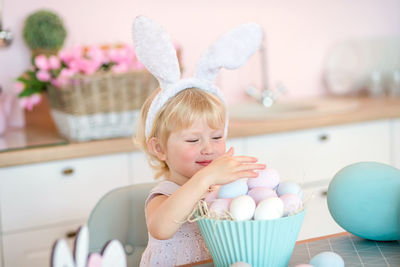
(230, 51)
(61, 256)
(155, 50)
(81, 248)
(114, 255)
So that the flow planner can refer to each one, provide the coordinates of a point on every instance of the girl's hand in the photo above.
(228, 168)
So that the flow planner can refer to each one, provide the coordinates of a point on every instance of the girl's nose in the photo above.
(207, 148)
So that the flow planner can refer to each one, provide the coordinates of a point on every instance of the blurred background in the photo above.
(299, 34)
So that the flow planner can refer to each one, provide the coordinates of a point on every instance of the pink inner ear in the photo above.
(94, 260)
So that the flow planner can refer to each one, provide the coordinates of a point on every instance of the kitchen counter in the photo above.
(367, 109)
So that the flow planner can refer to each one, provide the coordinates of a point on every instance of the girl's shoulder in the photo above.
(166, 188)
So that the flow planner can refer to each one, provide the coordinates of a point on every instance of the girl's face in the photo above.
(192, 149)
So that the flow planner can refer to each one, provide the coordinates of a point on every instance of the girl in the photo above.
(183, 128)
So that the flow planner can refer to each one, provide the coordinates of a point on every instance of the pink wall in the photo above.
(299, 33)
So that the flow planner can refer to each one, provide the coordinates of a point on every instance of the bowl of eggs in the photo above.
(255, 220)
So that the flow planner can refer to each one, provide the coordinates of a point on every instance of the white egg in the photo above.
(269, 209)
(242, 208)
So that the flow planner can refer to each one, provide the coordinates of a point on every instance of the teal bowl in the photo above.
(266, 243)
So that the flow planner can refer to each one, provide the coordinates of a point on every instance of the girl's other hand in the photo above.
(228, 168)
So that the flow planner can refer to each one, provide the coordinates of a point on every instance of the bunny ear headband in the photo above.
(156, 52)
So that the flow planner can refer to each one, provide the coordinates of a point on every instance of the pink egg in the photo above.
(211, 196)
(292, 203)
(220, 205)
(260, 193)
(266, 178)
(303, 265)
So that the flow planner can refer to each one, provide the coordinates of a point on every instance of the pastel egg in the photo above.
(220, 206)
(292, 204)
(289, 188)
(327, 259)
(241, 264)
(261, 193)
(303, 265)
(242, 208)
(269, 209)
(364, 199)
(266, 178)
(211, 196)
(234, 189)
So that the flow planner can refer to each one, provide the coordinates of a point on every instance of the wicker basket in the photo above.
(100, 106)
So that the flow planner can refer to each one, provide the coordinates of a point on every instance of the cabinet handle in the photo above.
(323, 137)
(324, 193)
(68, 171)
(71, 234)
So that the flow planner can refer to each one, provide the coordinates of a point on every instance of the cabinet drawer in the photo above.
(33, 248)
(318, 220)
(53, 192)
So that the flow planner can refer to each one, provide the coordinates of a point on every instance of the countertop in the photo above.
(354, 250)
(367, 109)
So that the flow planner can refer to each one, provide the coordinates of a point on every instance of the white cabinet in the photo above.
(33, 248)
(396, 143)
(317, 154)
(41, 202)
(318, 220)
(312, 157)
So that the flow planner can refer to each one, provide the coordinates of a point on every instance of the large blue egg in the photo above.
(364, 199)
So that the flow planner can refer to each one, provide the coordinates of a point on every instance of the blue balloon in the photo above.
(327, 259)
(364, 199)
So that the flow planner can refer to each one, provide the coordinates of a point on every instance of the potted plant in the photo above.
(44, 32)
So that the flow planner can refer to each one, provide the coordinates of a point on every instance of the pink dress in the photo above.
(186, 246)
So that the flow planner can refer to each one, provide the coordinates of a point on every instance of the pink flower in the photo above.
(54, 63)
(19, 87)
(120, 68)
(137, 65)
(43, 75)
(96, 54)
(72, 54)
(41, 62)
(88, 66)
(63, 78)
(30, 101)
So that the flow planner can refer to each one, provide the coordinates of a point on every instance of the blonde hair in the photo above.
(179, 113)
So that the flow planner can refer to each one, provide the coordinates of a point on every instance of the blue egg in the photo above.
(289, 188)
(234, 189)
(364, 199)
(327, 259)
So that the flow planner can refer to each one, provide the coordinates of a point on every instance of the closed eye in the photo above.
(217, 137)
(192, 140)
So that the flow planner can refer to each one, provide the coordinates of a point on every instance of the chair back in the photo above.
(120, 215)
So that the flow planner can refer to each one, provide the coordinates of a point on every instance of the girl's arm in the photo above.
(165, 214)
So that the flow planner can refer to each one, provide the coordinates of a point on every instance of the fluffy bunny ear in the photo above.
(114, 255)
(155, 50)
(61, 256)
(230, 51)
(81, 248)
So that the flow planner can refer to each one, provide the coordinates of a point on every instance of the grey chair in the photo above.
(120, 215)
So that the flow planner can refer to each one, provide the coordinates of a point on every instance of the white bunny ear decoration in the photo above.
(230, 51)
(156, 52)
